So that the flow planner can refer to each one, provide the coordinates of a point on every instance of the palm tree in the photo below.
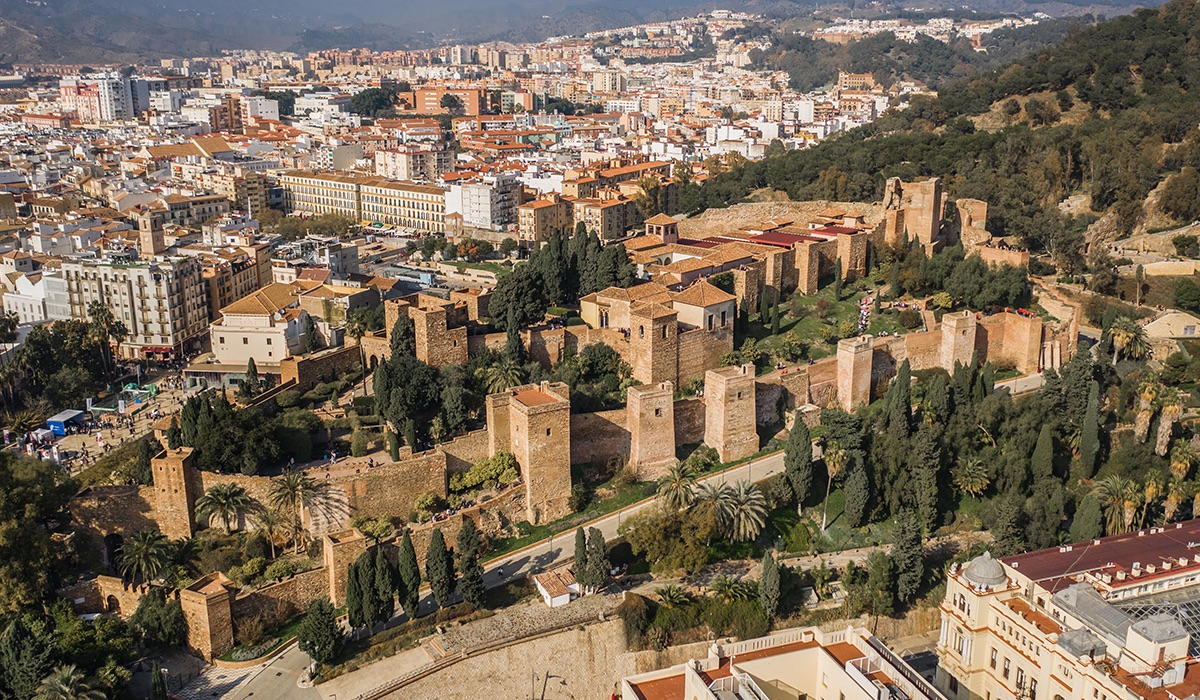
(717, 496)
(1182, 457)
(502, 376)
(835, 460)
(1111, 491)
(1178, 491)
(106, 330)
(1151, 490)
(293, 491)
(1129, 338)
(675, 487)
(226, 502)
(747, 512)
(66, 683)
(273, 526)
(971, 476)
(672, 596)
(145, 554)
(730, 589)
(355, 328)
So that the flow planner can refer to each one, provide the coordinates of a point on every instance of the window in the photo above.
(268, 341)
(723, 318)
(641, 331)
(245, 340)
(993, 659)
(547, 431)
(664, 332)
(658, 413)
(710, 322)
(1020, 678)
(1006, 665)
(953, 685)
(1032, 688)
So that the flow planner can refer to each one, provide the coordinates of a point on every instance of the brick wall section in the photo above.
(730, 412)
(107, 510)
(392, 489)
(289, 597)
(118, 597)
(310, 370)
(176, 488)
(923, 350)
(476, 302)
(747, 285)
(650, 418)
(84, 597)
(700, 351)
(533, 422)
(376, 348)
(655, 339)
(1011, 337)
(598, 437)
(997, 256)
(689, 421)
(465, 450)
(208, 610)
(437, 342)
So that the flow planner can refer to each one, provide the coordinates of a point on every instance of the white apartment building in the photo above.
(1107, 619)
(163, 304)
(27, 301)
(97, 97)
(489, 202)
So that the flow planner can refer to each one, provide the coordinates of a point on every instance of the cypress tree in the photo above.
(899, 403)
(403, 338)
(1042, 462)
(439, 567)
(797, 460)
(385, 586)
(768, 585)
(837, 281)
(936, 406)
(471, 584)
(188, 417)
(894, 283)
(858, 494)
(356, 601)
(514, 349)
(580, 554)
(597, 561)
(174, 434)
(158, 683)
(26, 657)
(1088, 522)
(1089, 436)
(908, 556)
(410, 576)
(318, 633)
(925, 465)
(775, 319)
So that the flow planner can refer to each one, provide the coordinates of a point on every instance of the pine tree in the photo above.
(470, 585)
(797, 459)
(439, 567)
(908, 556)
(318, 633)
(410, 576)
(858, 495)
(768, 585)
(26, 656)
(1089, 435)
(174, 434)
(597, 561)
(1042, 462)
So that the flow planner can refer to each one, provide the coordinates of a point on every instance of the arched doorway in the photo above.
(112, 550)
(112, 606)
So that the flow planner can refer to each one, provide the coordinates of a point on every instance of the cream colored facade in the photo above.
(539, 219)
(267, 325)
(164, 304)
(1075, 622)
(407, 204)
(321, 193)
(849, 664)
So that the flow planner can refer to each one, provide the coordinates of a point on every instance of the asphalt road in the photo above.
(278, 679)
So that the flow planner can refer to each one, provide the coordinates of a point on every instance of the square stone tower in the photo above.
(654, 335)
(339, 552)
(729, 412)
(958, 340)
(208, 610)
(533, 422)
(176, 488)
(854, 357)
(650, 417)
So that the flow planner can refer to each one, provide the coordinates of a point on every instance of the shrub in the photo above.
(427, 504)
(360, 444)
(249, 630)
(579, 498)
(657, 638)
(499, 468)
(279, 570)
(635, 613)
(287, 399)
(910, 318)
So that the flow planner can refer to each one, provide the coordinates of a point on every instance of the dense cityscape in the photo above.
(835, 353)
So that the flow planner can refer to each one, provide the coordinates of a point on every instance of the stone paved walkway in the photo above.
(217, 682)
(521, 621)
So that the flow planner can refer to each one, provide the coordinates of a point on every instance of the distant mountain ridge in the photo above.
(130, 30)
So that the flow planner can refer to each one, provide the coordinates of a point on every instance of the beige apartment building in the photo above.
(416, 161)
(542, 218)
(1104, 619)
(407, 204)
(163, 304)
(267, 325)
(809, 664)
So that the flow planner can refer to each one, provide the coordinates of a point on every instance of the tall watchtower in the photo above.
(654, 335)
(650, 418)
(176, 488)
(729, 412)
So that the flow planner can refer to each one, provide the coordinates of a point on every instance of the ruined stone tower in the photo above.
(650, 417)
(653, 333)
(533, 422)
(207, 607)
(958, 339)
(854, 357)
(729, 412)
(176, 488)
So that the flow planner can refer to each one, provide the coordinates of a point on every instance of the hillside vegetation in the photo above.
(1135, 77)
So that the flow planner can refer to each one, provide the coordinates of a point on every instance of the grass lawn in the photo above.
(1156, 291)
(838, 535)
(807, 326)
(495, 268)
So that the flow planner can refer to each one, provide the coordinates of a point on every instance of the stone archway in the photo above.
(112, 606)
